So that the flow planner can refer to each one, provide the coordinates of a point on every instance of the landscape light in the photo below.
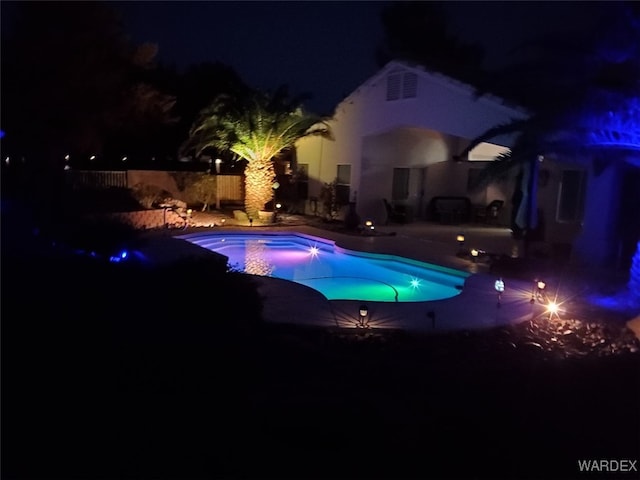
(540, 285)
(92, 157)
(474, 254)
(364, 312)
(460, 239)
(368, 223)
(278, 206)
(218, 162)
(66, 157)
(499, 286)
(124, 159)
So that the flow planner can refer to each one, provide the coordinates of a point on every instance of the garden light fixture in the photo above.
(364, 313)
(499, 286)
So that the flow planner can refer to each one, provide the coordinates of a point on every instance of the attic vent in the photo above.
(409, 85)
(402, 85)
(393, 86)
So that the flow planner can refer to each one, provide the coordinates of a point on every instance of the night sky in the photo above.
(327, 48)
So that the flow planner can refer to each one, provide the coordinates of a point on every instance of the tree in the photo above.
(256, 128)
(73, 84)
(417, 32)
(586, 106)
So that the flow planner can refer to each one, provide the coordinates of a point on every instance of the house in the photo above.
(398, 137)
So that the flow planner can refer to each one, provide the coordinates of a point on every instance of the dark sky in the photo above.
(325, 48)
(322, 47)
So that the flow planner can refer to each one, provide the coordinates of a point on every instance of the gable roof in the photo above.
(435, 77)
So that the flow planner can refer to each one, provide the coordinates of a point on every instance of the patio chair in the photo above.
(491, 213)
(395, 214)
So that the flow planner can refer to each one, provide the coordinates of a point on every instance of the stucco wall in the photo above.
(368, 131)
(143, 219)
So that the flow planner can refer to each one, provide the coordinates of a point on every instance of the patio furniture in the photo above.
(490, 213)
(395, 213)
(450, 209)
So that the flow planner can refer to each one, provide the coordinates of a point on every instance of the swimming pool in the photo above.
(337, 273)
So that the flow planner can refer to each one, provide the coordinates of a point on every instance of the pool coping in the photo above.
(476, 307)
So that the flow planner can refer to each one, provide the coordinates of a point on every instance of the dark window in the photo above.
(571, 198)
(472, 178)
(343, 184)
(302, 180)
(400, 189)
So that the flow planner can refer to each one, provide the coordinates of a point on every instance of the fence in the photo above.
(229, 188)
(96, 179)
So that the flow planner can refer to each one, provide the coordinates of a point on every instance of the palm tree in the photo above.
(586, 106)
(255, 128)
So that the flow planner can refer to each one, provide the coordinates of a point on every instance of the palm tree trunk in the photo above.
(259, 178)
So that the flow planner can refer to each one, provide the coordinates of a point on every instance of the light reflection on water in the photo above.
(337, 274)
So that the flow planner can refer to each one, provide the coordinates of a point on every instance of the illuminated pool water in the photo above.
(337, 273)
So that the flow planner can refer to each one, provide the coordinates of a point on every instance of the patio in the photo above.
(476, 307)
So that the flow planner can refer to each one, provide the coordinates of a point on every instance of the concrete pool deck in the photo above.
(476, 307)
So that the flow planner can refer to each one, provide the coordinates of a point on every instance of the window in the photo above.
(302, 180)
(343, 184)
(571, 196)
(472, 179)
(400, 188)
(402, 85)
